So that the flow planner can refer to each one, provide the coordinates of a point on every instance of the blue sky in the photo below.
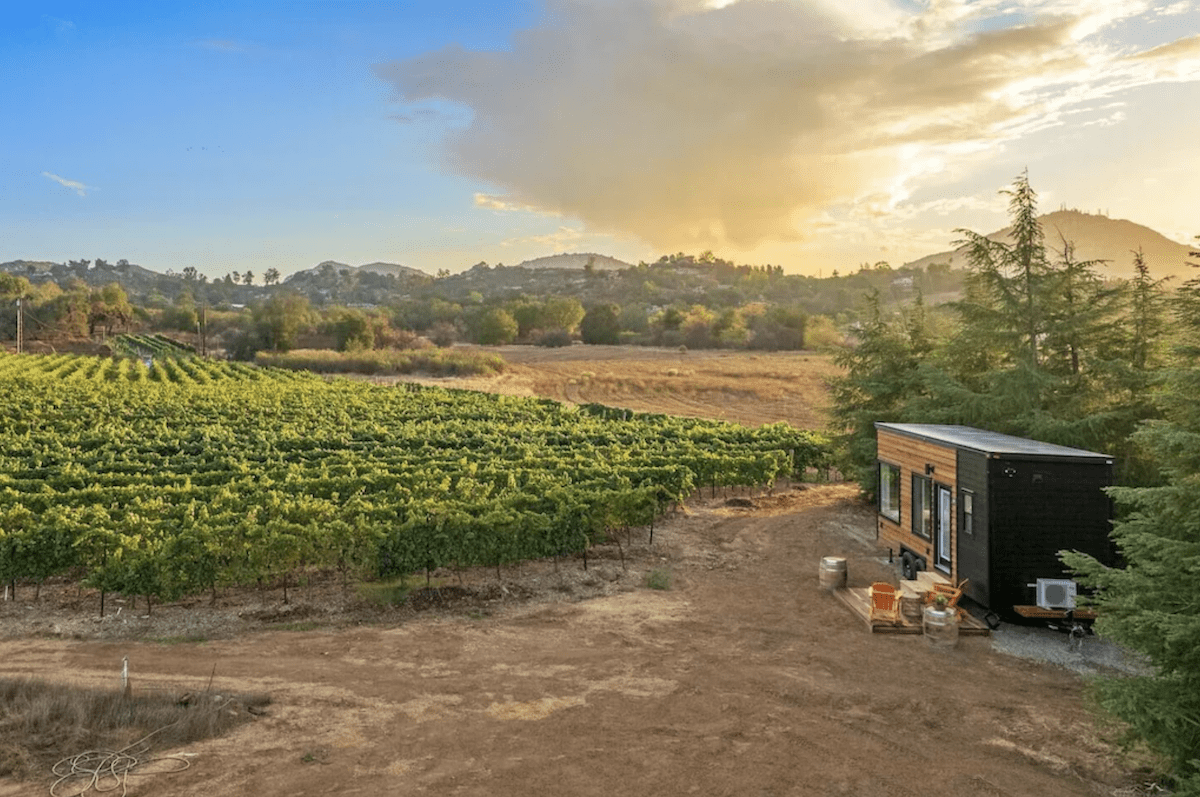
(813, 134)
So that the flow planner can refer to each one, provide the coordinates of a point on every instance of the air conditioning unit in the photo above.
(1056, 593)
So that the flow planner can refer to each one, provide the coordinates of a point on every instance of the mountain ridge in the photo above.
(575, 261)
(1094, 237)
(377, 267)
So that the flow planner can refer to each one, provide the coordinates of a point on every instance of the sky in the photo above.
(811, 134)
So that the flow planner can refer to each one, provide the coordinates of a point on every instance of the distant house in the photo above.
(988, 507)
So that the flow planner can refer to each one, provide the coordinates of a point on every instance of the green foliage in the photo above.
(1014, 277)
(386, 592)
(1152, 604)
(435, 362)
(601, 325)
(198, 474)
(277, 321)
(539, 317)
(13, 286)
(1035, 353)
(181, 315)
(496, 326)
(353, 330)
(658, 579)
(777, 328)
(883, 374)
(822, 334)
(554, 338)
(68, 311)
(108, 307)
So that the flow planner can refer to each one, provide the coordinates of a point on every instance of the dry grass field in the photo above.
(746, 387)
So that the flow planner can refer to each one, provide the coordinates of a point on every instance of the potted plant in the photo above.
(940, 623)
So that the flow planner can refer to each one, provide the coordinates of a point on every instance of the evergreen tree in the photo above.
(1031, 354)
(883, 375)
(1016, 274)
(1152, 604)
(1081, 314)
(1136, 356)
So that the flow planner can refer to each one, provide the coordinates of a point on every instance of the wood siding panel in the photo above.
(912, 455)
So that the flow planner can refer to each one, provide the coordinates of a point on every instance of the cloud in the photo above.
(494, 202)
(702, 124)
(74, 185)
(223, 45)
(1180, 51)
(560, 240)
(414, 115)
(1181, 7)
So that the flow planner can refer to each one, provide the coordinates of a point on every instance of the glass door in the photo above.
(944, 502)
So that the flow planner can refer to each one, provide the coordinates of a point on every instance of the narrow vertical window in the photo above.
(889, 491)
(922, 506)
(967, 501)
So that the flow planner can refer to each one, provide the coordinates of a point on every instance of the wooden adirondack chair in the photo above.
(952, 594)
(885, 603)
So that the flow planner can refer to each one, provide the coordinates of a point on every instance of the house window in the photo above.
(966, 500)
(922, 506)
(889, 491)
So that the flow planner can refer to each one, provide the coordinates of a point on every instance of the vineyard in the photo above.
(156, 345)
(178, 478)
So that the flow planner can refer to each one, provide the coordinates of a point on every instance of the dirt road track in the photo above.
(743, 679)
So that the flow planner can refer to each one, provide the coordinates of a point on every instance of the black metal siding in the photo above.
(1036, 509)
(973, 554)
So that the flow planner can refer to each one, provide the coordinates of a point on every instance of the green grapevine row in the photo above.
(199, 474)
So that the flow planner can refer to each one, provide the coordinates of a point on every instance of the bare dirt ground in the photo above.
(742, 678)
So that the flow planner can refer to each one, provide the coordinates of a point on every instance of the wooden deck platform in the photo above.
(858, 600)
(1038, 613)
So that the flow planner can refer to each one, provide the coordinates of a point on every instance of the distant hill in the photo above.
(135, 278)
(27, 267)
(576, 262)
(1097, 237)
(394, 269)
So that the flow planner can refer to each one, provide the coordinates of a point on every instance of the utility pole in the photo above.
(20, 322)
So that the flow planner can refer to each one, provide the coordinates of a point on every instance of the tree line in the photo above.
(679, 300)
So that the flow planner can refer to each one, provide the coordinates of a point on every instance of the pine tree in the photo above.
(1152, 604)
(1029, 357)
(883, 375)
(1016, 274)
(1137, 353)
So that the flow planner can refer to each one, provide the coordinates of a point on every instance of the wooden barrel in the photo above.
(941, 627)
(833, 573)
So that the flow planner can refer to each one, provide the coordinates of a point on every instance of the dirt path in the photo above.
(742, 679)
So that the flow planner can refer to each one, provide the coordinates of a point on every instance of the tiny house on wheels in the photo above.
(991, 508)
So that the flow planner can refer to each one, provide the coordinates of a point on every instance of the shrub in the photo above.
(554, 338)
(658, 578)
